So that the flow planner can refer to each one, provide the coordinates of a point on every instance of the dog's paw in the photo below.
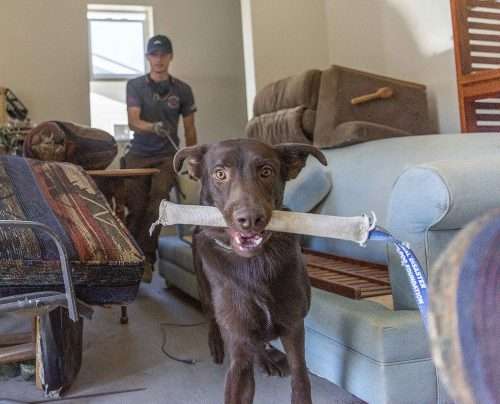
(215, 343)
(273, 362)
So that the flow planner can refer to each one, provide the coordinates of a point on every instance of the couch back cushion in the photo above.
(285, 111)
(290, 92)
(283, 126)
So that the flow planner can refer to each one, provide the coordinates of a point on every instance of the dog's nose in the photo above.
(250, 220)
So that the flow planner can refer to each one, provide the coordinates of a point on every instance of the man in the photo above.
(155, 103)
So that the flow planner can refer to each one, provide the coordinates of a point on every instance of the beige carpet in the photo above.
(118, 357)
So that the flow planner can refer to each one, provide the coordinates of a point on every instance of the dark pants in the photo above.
(144, 195)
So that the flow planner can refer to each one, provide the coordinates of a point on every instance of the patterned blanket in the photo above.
(62, 196)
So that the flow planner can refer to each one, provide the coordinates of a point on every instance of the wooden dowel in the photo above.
(381, 93)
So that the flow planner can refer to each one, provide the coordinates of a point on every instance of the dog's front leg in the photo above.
(293, 343)
(240, 383)
(215, 341)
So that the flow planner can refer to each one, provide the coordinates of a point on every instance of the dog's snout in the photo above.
(249, 219)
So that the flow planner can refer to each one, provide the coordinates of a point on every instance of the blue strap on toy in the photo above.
(412, 266)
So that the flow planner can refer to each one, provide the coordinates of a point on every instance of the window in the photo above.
(116, 39)
(117, 36)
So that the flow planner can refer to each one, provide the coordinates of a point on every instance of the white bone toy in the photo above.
(355, 228)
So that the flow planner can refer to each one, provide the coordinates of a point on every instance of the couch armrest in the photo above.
(429, 203)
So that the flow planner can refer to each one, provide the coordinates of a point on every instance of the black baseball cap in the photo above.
(159, 43)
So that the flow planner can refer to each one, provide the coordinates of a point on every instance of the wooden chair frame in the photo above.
(39, 344)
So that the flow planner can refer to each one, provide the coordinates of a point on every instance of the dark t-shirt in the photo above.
(159, 101)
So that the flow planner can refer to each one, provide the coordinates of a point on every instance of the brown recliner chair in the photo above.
(338, 107)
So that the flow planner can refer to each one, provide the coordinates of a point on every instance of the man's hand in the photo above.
(159, 129)
(162, 129)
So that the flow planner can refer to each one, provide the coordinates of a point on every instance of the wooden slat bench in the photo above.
(347, 277)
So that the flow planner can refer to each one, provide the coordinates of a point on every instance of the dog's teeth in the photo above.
(255, 241)
(248, 242)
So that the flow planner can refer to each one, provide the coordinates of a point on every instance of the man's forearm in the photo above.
(190, 135)
(141, 126)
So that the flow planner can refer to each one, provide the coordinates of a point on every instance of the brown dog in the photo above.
(252, 283)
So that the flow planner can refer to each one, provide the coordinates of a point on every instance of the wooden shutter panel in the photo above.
(476, 33)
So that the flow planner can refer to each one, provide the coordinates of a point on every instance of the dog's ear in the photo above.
(294, 155)
(194, 156)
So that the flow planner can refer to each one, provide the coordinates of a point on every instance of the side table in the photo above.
(112, 185)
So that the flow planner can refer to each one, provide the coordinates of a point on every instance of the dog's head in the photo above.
(245, 180)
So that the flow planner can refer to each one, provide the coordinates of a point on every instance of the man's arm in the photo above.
(189, 129)
(135, 123)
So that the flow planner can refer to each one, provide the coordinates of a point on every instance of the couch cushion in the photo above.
(309, 122)
(179, 277)
(290, 92)
(62, 196)
(172, 248)
(283, 126)
(369, 328)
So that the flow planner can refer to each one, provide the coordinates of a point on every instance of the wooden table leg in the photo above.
(124, 317)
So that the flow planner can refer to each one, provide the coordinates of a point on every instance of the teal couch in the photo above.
(423, 189)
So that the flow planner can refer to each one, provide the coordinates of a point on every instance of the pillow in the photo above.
(308, 190)
(91, 148)
(284, 126)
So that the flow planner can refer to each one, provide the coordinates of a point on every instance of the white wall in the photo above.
(406, 39)
(289, 37)
(45, 58)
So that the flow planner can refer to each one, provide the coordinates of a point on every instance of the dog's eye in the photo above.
(220, 174)
(266, 171)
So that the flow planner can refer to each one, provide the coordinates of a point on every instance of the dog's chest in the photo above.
(248, 296)
(246, 313)
(259, 297)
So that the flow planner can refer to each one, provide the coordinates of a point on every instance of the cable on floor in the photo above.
(164, 341)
